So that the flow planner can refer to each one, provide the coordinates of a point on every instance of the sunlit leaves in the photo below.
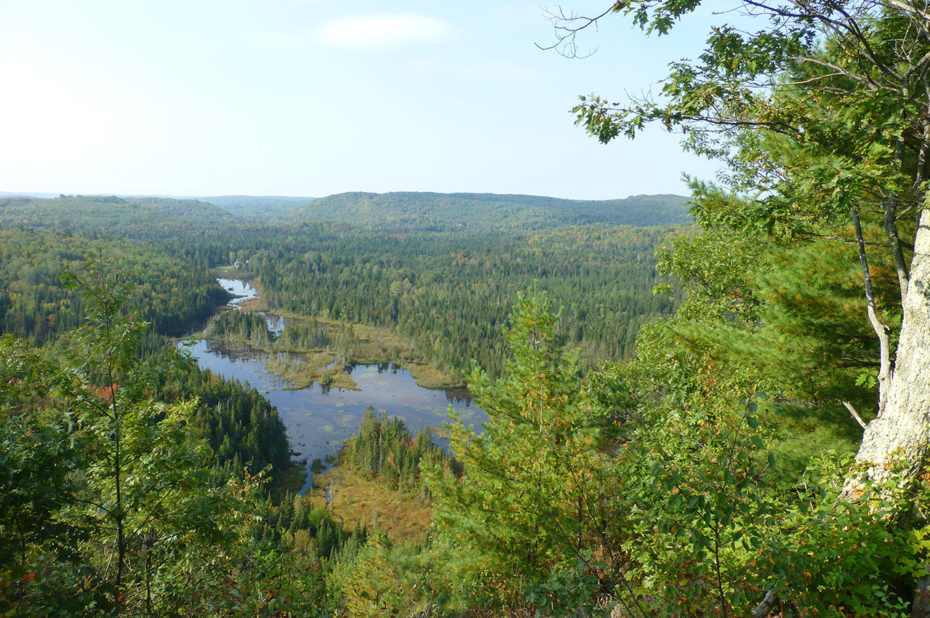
(531, 496)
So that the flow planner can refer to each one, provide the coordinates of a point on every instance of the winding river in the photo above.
(318, 421)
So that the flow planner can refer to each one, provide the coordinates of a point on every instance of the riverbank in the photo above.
(320, 420)
(350, 344)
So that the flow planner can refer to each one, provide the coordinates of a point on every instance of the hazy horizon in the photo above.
(56, 194)
(313, 97)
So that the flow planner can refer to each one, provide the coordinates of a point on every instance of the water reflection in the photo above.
(242, 290)
(319, 420)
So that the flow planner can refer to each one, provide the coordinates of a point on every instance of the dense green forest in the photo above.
(173, 297)
(450, 295)
(91, 286)
(392, 212)
(457, 212)
(141, 218)
(763, 452)
(154, 217)
(460, 286)
(258, 209)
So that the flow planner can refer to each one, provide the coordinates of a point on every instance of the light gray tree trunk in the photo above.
(902, 432)
(900, 437)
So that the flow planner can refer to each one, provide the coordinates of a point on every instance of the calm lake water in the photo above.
(318, 421)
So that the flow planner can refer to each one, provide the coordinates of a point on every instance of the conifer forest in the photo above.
(706, 405)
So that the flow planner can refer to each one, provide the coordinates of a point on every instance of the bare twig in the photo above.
(567, 28)
(855, 414)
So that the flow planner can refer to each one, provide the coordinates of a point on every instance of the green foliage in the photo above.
(722, 500)
(112, 500)
(398, 280)
(139, 218)
(303, 335)
(694, 463)
(240, 326)
(530, 502)
(144, 480)
(259, 209)
(457, 212)
(101, 468)
(813, 322)
(711, 266)
(837, 557)
(386, 450)
(689, 481)
(38, 547)
(409, 283)
(242, 428)
(371, 582)
(820, 119)
(796, 314)
(264, 581)
(169, 294)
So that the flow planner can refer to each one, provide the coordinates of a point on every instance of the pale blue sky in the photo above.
(313, 97)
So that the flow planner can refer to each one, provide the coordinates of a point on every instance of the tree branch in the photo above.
(881, 331)
(764, 608)
(855, 414)
(567, 28)
(909, 8)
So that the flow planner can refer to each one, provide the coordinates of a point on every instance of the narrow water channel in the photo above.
(318, 421)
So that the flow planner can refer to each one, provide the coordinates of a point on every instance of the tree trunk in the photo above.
(902, 433)
(891, 226)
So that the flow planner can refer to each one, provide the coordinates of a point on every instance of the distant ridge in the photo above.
(145, 217)
(257, 206)
(26, 194)
(445, 212)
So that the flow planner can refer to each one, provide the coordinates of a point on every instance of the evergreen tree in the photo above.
(529, 505)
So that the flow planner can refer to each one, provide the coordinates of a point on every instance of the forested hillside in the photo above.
(174, 297)
(90, 388)
(111, 439)
(112, 216)
(764, 452)
(258, 209)
(450, 295)
(452, 212)
(397, 212)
